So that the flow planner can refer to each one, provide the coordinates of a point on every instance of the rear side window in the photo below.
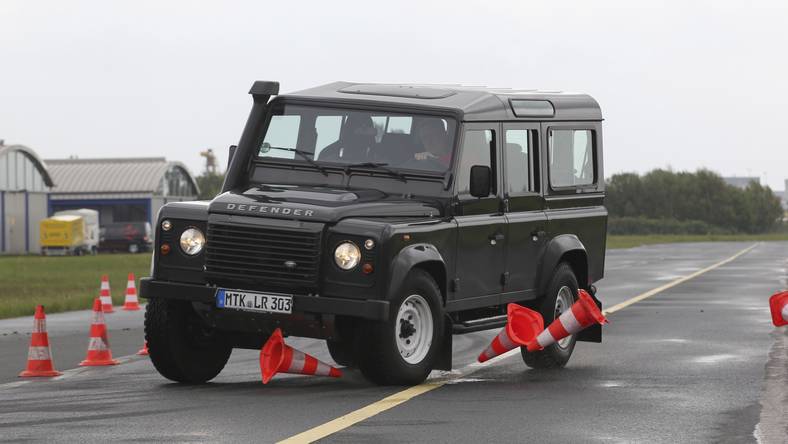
(571, 154)
(519, 146)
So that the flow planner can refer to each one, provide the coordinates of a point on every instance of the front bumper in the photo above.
(366, 309)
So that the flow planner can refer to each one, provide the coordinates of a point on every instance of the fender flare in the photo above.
(410, 257)
(554, 251)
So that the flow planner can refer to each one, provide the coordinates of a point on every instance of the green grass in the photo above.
(71, 283)
(629, 241)
(63, 283)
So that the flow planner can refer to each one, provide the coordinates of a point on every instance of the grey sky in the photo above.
(685, 84)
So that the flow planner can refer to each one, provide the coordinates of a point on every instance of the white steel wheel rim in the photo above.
(563, 302)
(413, 329)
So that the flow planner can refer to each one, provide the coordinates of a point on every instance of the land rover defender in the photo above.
(383, 219)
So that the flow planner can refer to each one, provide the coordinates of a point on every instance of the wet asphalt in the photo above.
(699, 362)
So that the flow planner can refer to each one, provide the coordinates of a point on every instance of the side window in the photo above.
(571, 154)
(282, 133)
(519, 146)
(478, 148)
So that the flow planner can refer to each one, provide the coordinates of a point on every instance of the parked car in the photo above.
(384, 219)
(133, 237)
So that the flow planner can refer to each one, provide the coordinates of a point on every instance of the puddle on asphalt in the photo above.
(464, 380)
(715, 359)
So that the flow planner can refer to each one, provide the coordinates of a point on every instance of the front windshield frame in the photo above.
(279, 106)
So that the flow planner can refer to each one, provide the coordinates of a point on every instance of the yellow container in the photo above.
(62, 231)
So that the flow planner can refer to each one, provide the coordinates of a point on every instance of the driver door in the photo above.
(481, 222)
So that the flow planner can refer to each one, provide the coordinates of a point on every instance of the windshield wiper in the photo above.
(380, 166)
(303, 154)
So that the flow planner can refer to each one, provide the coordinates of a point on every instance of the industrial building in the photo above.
(24, 186)
(122, 189)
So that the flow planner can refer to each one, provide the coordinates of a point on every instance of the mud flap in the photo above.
(594, 332)
(443, 361)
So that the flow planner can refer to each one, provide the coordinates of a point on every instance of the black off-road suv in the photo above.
(383, 219)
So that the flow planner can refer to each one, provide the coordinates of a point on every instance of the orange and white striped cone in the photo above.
(39, 355)
(99, 352)
(779, 306)
(144, 350)
(278, 357)
(131, 302)
(522, 326)
(582, 314)
(105, 296)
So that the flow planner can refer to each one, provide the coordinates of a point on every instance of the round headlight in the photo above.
(192, 241)
(347, 255)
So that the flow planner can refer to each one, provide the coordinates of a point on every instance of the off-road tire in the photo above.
(553, 356)
(178, 348)
(376, 350)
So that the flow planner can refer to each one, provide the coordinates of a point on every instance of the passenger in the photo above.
(435, 142)
(355, 141)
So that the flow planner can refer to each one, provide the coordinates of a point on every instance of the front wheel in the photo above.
(179, 345)
(561, 294)
(403, 349)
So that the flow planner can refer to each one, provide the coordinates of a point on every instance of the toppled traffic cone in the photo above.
(779, 305)
(278, 357)
(521, 328)
(131, 302)
(105, 296)
(98, 347)
(582, 314)
(39, 355)
(144, 350)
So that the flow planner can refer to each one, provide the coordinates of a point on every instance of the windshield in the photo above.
(347, 137)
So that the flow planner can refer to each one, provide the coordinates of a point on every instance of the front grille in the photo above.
(256, 257)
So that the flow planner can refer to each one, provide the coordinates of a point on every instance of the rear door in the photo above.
(524, 203)
(481, 246)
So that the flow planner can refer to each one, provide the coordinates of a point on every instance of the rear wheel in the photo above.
(561, 294)
(403, 349)
(180, 348)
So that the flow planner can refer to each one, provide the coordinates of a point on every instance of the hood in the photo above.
(319, 204)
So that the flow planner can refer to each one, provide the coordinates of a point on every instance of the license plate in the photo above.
(250, 301)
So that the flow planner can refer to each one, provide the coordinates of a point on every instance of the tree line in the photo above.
(664, 201)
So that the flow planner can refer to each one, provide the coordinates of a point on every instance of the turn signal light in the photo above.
(367, 268)
(165, 249)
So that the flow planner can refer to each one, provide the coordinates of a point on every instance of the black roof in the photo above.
(472, 103)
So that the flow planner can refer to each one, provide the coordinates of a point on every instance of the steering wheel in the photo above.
(428, 164)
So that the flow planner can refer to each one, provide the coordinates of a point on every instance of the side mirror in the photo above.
(231, 155)
(481, 177)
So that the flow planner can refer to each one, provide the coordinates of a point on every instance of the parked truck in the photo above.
(70, 232)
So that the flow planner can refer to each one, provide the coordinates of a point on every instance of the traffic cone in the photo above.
(39, 355)
(278, 357)
(131, 302)
(521, 328)
(582, 314)
(98, 347)
(779, 305)
(144, 350)
(106, 298)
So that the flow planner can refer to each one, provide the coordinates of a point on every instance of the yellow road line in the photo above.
(678, 281)
(368, 411)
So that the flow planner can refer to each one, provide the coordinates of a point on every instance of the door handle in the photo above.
(495, 238)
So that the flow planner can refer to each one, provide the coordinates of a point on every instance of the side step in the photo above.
(479, 325)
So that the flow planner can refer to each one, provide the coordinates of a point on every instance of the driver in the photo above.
(435, 142)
